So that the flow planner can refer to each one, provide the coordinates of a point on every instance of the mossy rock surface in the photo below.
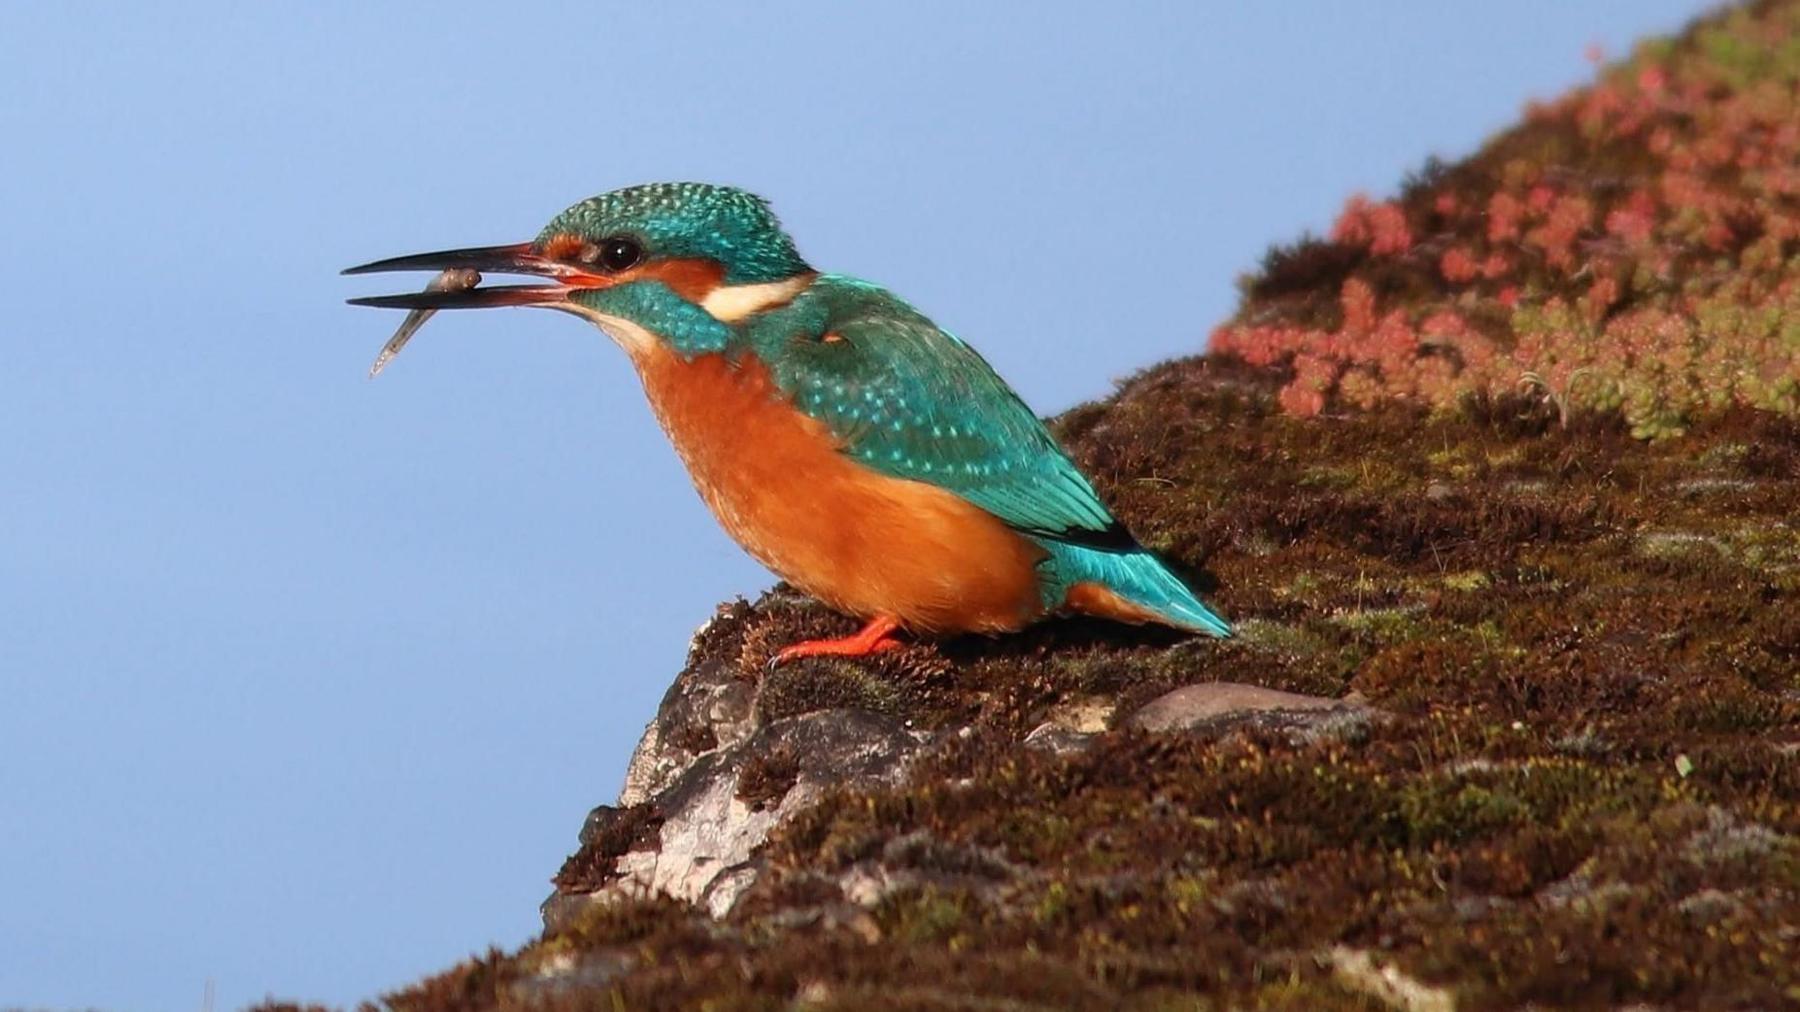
(1584, 790)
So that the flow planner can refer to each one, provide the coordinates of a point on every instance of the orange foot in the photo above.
(871, 639)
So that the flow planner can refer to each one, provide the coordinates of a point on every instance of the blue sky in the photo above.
(307, 681)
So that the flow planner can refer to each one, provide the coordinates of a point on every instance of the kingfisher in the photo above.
(862, 453)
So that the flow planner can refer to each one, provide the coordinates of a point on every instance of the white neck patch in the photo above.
(731, 303)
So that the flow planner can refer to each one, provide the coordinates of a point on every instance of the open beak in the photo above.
(516, 259)
(457, 286)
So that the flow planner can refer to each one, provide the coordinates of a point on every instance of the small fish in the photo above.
(454, 279)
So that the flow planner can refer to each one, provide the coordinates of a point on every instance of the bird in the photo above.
(862, 453)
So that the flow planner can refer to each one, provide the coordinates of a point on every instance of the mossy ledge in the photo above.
(1585, 789)
(1573, 781)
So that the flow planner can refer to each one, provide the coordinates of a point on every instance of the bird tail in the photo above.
(1132, 585)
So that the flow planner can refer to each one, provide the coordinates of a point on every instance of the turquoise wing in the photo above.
(912, 401)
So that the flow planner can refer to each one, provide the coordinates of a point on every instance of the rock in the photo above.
(919, 861)
(708, 780)
(712, 776)
(1359, 970)
(1083, 714)
(1071, 725)
(569, 973)
(709, 705)
(702, 850)
(1213, 704)
(1057, 740)
(1726, 839)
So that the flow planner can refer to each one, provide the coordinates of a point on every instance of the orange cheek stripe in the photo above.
(692, 279)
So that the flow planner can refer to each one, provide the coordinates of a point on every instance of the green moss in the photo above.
(929, 917)
(1383, 624)
(1470, 580)
(1289, 640)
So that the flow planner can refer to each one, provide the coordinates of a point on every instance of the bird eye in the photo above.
(616, 254)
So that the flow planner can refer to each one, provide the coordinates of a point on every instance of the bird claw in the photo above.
(874, 638)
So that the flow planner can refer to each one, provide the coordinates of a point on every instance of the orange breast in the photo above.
(861, 541)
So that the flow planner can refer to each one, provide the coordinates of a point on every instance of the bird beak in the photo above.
(458, 286)
(522, 258)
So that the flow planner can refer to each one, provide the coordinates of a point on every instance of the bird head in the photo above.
(664, 262)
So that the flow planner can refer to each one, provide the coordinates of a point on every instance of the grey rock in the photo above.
(560, 911)
(568, 974)
(1362, 971)
(709, 706)
(1209, 705)
(720, 777)
(1057, 740)
(1726, 839)
(1709, 906)
(703, 852)
(689, 768)
(919, 860)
